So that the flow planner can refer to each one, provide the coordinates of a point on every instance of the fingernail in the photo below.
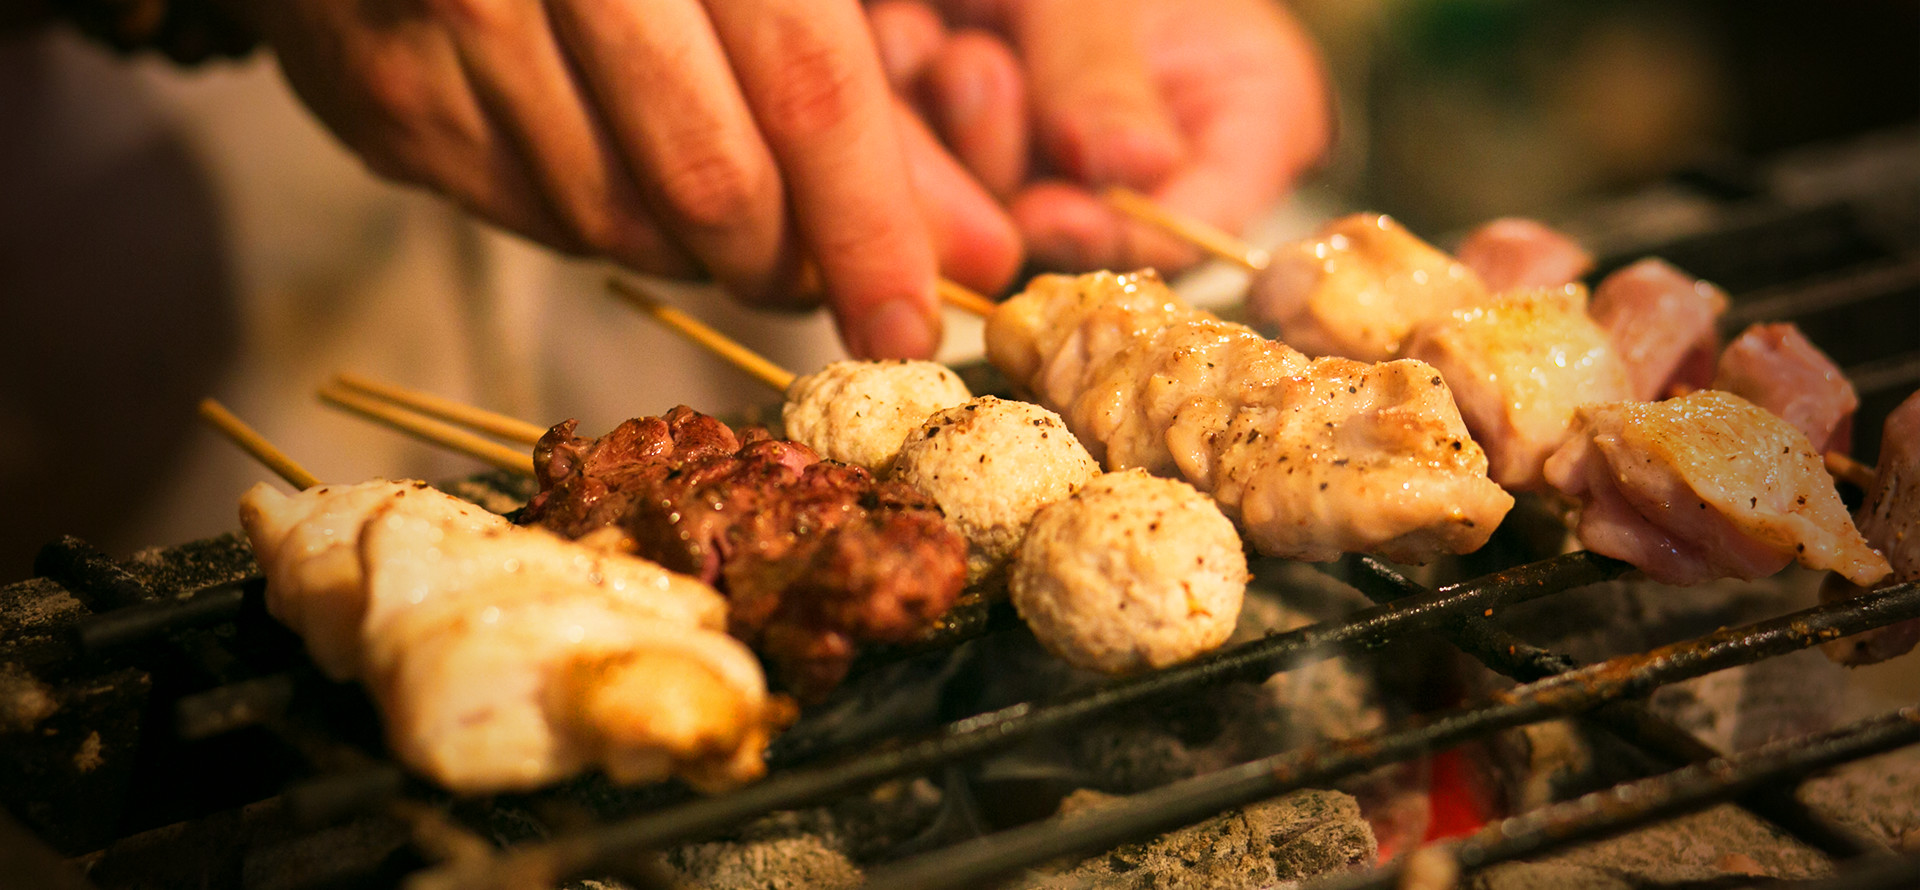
(900, 329)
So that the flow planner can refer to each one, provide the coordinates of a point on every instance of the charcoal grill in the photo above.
(156, 726)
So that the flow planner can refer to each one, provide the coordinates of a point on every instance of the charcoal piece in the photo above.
(1879, 795)
(1722, 846)
(785, 851)
(1289, 838)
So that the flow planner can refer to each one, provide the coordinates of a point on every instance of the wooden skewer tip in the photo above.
(249, 440)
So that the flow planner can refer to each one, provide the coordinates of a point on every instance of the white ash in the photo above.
(1300, 835)
(1711, 848)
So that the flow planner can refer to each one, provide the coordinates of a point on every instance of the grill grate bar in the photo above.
(984, 733)
(1633, 804)
(1630, 722)
(975, 862)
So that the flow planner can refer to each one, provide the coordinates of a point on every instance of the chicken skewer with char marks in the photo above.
(816, 557)
(1890, 520)
(505, 658)
(1311, 457)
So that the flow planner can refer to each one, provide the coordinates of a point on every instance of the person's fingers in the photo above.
(976, 98)
(1067, 227)
(1256, 116)
(668, 96)
(812, 77)
(908, 33)
(525, 86)
(974, 238)
(412, 115)
(1097, 107)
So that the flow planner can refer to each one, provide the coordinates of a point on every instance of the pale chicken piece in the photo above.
(1357, 288)
(1518, 367)
(1346, 457)
(1312, 457)
(506, 659)
(859, 412)
(1049, 337)
(1511, 253)
(991, 464)
(308, 545)
(1706, 486)
(1889, 518)
(1661, 321)
(1131, 572)
(1776, 367)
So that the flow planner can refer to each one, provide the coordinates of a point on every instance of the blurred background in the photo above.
(171, 233)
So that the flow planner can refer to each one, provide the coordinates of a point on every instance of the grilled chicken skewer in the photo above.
(504, 658)
(1311, 457)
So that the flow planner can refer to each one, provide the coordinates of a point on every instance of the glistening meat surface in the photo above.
(1706, 486)
(1311, 457)
(815, 557)
(1519, 366)
(1356, 288)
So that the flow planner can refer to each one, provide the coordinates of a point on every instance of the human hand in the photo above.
(1211, 107)
(745, 139)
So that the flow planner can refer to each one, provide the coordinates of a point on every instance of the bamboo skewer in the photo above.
(960, 297)
(696, 330)
(1202, 235)
(443, 408)
(428, 429)
(1848, 470)
(250, 441)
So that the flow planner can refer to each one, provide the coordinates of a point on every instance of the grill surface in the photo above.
(152, 706)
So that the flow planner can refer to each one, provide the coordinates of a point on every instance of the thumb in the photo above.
(1099, 113)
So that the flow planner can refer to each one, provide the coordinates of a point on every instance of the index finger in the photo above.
(813, 80)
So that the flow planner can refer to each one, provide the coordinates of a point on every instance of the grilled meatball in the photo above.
(990, 464)
(1131, 572)
(859, 412)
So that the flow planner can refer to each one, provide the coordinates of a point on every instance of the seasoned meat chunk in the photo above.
(1355, 289)
(815, 557)
(1706, 486)
(1132, 572)
(991, 464)
(859, 412)
(1519, 366)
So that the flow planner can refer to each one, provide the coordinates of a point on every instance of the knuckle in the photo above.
(813, 91)
(711, 188)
